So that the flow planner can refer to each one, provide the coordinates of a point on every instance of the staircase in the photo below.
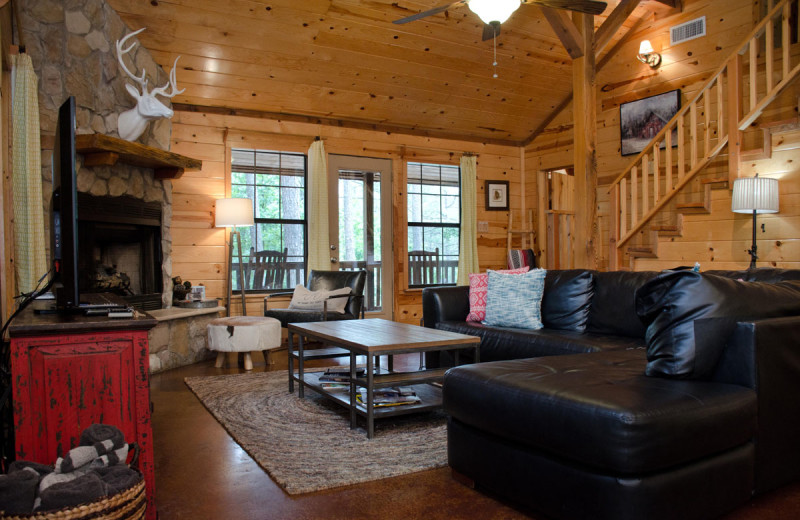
(713, 121)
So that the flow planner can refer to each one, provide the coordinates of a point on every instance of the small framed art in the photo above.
(496, 195)
(641, 120)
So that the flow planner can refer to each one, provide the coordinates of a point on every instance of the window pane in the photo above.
(451, 210)
(414, 208)
(292, 203)
(268, 202)
(415, 239)
(450, 242)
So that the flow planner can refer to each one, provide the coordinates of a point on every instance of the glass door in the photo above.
(359, 204)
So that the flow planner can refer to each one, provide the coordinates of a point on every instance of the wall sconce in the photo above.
(648, 55)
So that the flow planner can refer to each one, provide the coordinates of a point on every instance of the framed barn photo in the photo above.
(641, 120)
(496, 195)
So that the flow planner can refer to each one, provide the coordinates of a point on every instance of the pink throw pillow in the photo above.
(478, 287)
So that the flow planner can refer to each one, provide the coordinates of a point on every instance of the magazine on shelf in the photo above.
(335, 386)
(341, 374)
(389, 396)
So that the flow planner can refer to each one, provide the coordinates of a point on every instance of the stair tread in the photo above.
(664, 228)
(718, 183)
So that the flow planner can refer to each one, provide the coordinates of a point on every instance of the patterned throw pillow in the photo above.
(478, 283)
(515, 300)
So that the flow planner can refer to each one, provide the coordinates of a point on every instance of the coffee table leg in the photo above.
(370, 397)
(300, 379)
(353, 403)
(478, 353)
(291, 362)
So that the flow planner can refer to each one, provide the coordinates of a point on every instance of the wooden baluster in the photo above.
(615, 229)
(668, 163)
(693, 135)
(734, 69)
(623, 207)
(753, 74)
(769, 42)
(707, 122)
(681, 150)
(634, 197)
(721, 132)
(785, 37)
(645, 184)
(656, 181)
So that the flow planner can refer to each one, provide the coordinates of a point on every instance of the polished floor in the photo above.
(202, 474)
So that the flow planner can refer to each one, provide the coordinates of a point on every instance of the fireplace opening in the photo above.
(120, 248)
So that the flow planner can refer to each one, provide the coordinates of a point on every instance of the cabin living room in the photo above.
(570, 135)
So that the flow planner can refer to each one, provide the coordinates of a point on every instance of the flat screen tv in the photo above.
(64, 211)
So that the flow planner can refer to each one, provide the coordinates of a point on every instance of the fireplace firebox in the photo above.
(120, 248)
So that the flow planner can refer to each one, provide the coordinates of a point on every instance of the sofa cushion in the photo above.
(763, 274)
(305, 300)
(515, 300)
(567, 299)
(478, 289)
(499, 343)
(601, 411)
(612, 310)
(676, 306)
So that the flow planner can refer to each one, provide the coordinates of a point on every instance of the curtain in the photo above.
(29, 241)
(319, 243)
(468, 245)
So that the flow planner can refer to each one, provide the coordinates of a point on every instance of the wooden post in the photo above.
(585, 116)
(541, 207)
(614, 230)
(734, 115)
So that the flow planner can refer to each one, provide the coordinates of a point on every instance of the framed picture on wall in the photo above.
(496, 195)
(641, 120)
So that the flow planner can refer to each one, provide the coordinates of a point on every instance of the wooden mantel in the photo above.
(105, 150)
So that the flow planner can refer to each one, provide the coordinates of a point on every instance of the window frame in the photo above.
(281, 221)
(437, 225)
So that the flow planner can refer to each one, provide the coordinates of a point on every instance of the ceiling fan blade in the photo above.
(582, 6)
(430, 12)
(490, 30)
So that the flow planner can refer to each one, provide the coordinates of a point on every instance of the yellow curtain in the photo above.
(468, 245)
(29, 241)
(319, 254)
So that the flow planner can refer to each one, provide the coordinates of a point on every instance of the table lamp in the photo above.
(231, 213)
(755, 195)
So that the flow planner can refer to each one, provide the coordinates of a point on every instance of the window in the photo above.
(276, 183)
(434, 223)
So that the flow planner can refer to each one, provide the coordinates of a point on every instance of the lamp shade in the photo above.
(645, 47)
(234, 212)
(493, 10)
(755, 193)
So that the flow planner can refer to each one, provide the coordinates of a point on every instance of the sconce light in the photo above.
(648, 55)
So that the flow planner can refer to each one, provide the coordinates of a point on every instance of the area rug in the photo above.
(306, 444)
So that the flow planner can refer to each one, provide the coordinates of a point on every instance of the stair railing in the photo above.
(700, 130)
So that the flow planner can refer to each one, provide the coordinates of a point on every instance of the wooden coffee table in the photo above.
(374, 338)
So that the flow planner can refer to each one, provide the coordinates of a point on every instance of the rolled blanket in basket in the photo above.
(102, 432)
(86, 488)
(41, 469)
(18, 491)
(110, 459)
(82, 455)
(118, 478)
(60, 478)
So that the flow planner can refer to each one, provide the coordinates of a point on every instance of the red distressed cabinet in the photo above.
(69, 372)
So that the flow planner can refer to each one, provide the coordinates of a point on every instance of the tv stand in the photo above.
(71, 371)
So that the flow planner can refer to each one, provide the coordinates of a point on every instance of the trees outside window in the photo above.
(276, 183)
(434, 223)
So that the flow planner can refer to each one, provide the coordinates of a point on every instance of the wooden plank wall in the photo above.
(199, 253)
(686, 66)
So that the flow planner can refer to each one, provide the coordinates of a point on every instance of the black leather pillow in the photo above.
(671, 303)
(567, 298)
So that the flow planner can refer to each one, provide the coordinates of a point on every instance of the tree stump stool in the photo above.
(244, 334)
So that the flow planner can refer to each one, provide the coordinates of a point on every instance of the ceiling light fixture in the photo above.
(493, 10)
(648, 55)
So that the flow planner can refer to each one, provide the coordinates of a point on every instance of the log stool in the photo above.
(243, 334)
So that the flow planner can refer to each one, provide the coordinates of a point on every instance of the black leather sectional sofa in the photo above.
(646, 395)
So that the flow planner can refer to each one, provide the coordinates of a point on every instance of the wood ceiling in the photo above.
(344, 62)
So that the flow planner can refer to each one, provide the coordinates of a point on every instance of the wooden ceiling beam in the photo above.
(612, 24)
(341, 123)
(566, 31)
(677, 4)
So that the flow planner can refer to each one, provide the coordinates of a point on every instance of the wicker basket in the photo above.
(129, 504)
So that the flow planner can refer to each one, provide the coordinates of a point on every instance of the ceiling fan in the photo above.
(495, 12)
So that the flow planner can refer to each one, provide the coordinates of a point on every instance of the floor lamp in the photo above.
(755, 195)
(231, 213)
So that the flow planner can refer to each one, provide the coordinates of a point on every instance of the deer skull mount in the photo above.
(133, 122)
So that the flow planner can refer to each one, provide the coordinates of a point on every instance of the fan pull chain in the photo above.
(494, 40)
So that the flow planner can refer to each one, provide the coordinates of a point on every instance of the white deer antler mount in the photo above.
(133, 122)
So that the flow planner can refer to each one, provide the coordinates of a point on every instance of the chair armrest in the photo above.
(275, 295)
(348, 296)
(444, 304)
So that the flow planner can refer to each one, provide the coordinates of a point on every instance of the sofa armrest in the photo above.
(765, 355)
(444, 304)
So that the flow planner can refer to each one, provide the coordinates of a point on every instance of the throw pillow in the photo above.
(305, 300)
(515, 300)
(478, 284)
(676, 305)
(567, 299)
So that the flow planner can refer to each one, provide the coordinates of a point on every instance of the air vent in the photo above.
(687, 31)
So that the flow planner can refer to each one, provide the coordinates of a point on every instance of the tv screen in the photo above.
(64, 214)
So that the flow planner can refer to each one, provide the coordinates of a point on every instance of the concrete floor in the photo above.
(201, 473)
